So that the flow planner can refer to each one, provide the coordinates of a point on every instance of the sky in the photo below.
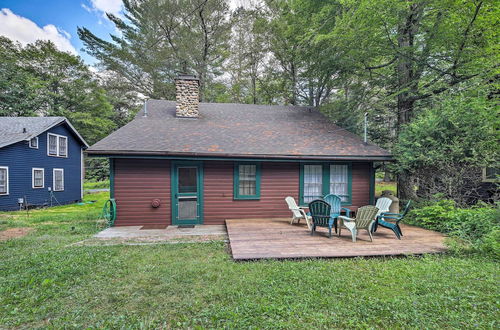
(57, 20)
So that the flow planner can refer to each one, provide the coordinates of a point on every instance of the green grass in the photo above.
(47, 282)
(95, 184)
(381, 186)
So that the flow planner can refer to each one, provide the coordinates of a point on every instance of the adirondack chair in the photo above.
(320, 214)
(383, 205)
(336, 205)
(365, 218)
(391, 220)
(298, 213)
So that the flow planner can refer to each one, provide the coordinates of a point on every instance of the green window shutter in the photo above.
(246, 180)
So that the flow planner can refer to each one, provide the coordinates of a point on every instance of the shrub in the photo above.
(478, 225)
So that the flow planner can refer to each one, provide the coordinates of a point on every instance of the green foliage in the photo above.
(39, 80)
(446, 145)
(459, 129)
(478, 225)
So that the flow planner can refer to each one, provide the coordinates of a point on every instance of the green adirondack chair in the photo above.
(391, 220)
(320, 214)
(336, 205)
(365, 218)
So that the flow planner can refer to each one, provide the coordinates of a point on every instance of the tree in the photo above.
(160, 39)
(446, 146)
(39, 80)
(407, 53)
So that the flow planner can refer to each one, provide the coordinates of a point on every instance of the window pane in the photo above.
(339, 179)
(34, 142)
(188, 180)
(247, 180)
(492, 172)
(313, 182)
(52, 145)
(38, 178)
(63, 147)
(3, 181)
(58, 180)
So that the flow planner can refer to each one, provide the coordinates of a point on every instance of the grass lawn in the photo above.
(47, 282)
(381, 186)
(95, 184)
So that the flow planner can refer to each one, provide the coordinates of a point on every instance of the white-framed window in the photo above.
(58, 179)
(57, 145)
(491, 174)
(4, 180)
(34, 142)
(37, 177)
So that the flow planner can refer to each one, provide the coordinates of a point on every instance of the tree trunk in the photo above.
(406, 189)
(406, 86)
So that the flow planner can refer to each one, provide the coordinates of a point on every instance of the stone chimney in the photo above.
(187, 95)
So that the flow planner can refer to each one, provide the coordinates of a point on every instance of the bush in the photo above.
(478, 225)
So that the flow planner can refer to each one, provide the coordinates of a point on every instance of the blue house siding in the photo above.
(20, 159)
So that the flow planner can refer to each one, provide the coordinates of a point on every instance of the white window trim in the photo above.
(37, 143)
(33, 177)
(54, 178)
(5, 168)
(57, 145)
(485, 179)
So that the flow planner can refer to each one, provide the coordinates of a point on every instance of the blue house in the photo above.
(41, 162)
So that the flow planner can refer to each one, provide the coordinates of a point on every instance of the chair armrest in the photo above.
(304, 213)
(391, 214)
(347, 211)
(343, 217)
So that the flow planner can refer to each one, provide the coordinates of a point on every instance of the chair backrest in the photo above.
(365, 215)
(406, 209)
(292, 205)
(335, 203)
(383, 204)
(320, 212)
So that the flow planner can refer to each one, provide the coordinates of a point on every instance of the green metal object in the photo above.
(109, 212)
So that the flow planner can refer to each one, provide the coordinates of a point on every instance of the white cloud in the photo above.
(25, 31)
(106, 6)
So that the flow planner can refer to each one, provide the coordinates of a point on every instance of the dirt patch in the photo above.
(14, 233)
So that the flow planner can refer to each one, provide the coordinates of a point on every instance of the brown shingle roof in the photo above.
(236, 130)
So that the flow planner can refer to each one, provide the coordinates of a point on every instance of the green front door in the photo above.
(187, 193)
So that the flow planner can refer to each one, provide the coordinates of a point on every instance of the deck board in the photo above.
(277, 239)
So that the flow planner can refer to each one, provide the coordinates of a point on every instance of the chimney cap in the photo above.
(186, 77)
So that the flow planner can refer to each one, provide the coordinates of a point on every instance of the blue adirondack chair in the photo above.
(320, 214)
(336, 207)
(391, 220)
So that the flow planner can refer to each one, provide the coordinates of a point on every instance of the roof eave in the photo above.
(123, 153)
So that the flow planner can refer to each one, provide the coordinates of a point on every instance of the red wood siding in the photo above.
(278, 180)
(360, 185)
(137, 183)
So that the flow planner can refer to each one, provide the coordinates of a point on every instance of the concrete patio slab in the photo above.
(131, 232)
(134, 235)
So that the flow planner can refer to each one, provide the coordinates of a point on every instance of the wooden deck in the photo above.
(277, 239)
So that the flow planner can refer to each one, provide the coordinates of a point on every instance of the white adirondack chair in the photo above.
(297, 212)
(383, 205)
